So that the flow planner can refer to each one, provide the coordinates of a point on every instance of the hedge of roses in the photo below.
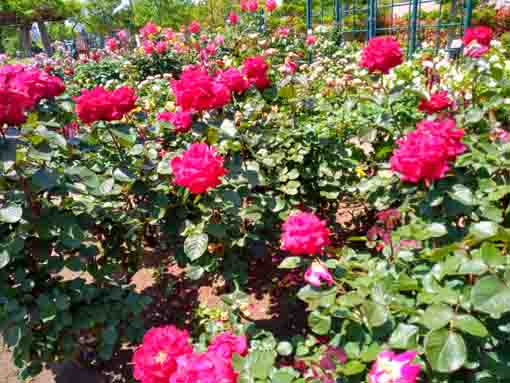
(238, 145)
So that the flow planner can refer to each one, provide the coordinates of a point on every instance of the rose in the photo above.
(310, 40)
(150, 29)
(318, 273)
(271, 5)
(234, 80)
(182, 121)
(233, 18)
(438, 101)
(481, 34)
(226, 343)
(204, 368)
(255, 69)
(424, 154)
(122, 35)
(381, 54)
(197, 91)
(155, 361)
(161, 47)
(394, 368)
(249, 5)
(99, 104)
(112, 43)
(304, 233)
(148, 47)
(283, 32)
(194, 27)
(198, 169)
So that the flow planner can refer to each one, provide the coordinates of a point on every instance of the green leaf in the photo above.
(291, 263)
(284, 375)
(404, 337)
(375, 314)
(195, 246)
(491, 255)
(284, 348)
(125, 134)
(319, 323)
(287, 92)
(445, 350)
(435, 230)
(43, 180)
(354, 367)
(11, 214)
(484, 229)
(4, 258)
(262, 362)
(462, 194)
(470, 325)
(490, 295)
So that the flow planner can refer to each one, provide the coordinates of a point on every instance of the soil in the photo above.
(272, 304)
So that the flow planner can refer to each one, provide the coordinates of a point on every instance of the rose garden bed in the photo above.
(231, 213)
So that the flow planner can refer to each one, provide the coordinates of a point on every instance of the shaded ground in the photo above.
(271, 306)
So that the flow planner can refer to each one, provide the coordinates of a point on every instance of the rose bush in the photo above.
(230, 155)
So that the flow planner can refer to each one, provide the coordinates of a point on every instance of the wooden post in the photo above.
(45, 38)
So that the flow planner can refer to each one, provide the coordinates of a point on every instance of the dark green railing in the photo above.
(364, 19)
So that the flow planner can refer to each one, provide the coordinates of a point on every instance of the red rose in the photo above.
(438, 101)
(249, 5)
(381, 54)
(425, 153)
(180, 120)
(226, 343)
(155, 361)
(255, 69)
(482, 35)
(234, 80)
(198, 169)
(71, 130)
(194, 27)
(112, 43)
(99, 104)
(196, 91)
(233, 18)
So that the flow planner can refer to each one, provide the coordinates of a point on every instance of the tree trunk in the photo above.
(45, 38)
(25, 40)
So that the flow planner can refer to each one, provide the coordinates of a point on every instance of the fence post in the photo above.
(372, 18)
(468, 14)
(337, 13)
(309, 25)
(413, 29)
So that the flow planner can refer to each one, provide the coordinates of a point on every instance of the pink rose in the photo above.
(255, 69)
(425, 153)
(395, 368)
(310, 40)
(161, 47)
(198, 169)
(304, 234)
(271, 5)
(249, 5)
(226, 343)
(148, 47)
(481, 34)
(155, 361)
(194, 27)
(112, 43)
(234, 80)
(99, 104)
(233, 18)
(381, 54)
(204, 368)
(149, 30)
(318, 273)
(181, 121)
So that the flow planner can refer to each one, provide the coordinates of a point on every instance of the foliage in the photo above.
(433, 279)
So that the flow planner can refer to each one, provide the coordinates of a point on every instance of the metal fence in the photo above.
(412, 21)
